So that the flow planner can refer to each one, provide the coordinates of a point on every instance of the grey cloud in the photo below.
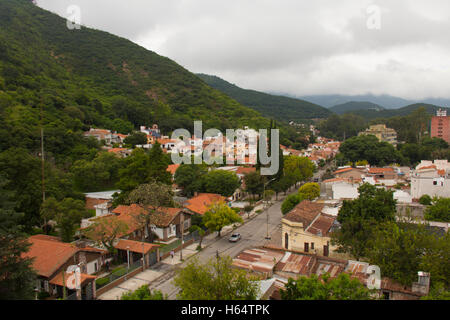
(297, 47)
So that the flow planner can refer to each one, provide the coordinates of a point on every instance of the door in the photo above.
(286, 241)
(325, 250)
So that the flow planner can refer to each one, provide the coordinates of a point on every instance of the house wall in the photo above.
(352, 174)
(297, 238)
(424, 185)
(344, 191)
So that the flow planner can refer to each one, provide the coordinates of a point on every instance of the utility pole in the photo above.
(182, 236)
(265, 208)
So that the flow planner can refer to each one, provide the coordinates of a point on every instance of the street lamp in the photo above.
(265, 207)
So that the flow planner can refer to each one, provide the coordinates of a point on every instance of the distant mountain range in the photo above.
(281, 108)
(372, 113)
(356, 106)
(385, 101)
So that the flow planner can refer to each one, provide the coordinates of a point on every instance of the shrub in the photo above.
(425, 200)
(100, 282)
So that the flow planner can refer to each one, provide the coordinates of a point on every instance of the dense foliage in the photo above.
(144, 293)
(272, 106)
(215, 280)
(439, 210)
(325, 288)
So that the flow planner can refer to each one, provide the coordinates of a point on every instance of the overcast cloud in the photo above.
(297, 47)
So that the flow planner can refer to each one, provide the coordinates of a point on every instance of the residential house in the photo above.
(352, 174)
(382, 133)
(52, 257)
(166, 224)
(100, 135)
(432, 179)
(121, 152)
(95, 198)
(305, 228)
(201, 203)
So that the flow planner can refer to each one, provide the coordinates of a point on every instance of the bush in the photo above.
(425, 200)
(43, 295)
(100, 282)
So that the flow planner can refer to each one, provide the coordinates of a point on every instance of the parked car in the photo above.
(235, 237)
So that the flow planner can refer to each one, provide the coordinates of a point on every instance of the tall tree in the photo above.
(254, 183)
(221, 182)
(152, 198)
(17, 278)
(189, 177)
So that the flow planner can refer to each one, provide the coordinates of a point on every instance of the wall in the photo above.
(91, 202)
(424, 185)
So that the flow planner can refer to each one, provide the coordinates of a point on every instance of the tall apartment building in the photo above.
(440, 125)
(382, 133)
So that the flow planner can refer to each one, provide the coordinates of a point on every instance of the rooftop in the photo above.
(200, 204)
(305, 212)
(135, 246)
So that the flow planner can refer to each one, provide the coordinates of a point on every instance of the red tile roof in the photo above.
(159, 219)
(343, 170)
(135, 246)
(243, 170)
(201, 203)
(49, 254)
(322, 225)
(380, 170)
(58, 279)
(173, 168)
(305, 212)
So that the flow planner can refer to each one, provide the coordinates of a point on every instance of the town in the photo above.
(224, 159)
(279, 233)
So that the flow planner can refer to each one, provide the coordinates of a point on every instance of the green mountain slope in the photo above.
(277, 107)
(89, 78)
(354, 106)
(373, 114)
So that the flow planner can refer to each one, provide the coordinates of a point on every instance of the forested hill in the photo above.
(89, 77)
(370, 114)
(277, 107)
(355, 105)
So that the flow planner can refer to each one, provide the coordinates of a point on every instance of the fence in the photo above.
(113, 276)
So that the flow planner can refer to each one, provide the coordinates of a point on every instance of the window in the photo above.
(434, 183)
(306, 247)
(312, 245)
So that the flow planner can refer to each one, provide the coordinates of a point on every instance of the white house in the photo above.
(432, 179)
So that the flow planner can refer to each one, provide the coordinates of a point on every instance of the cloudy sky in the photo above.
(396, 47)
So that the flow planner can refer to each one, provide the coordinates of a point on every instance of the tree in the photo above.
(425, 200)
(215, 280)
(358, 218)
(439, 210)
(220, 215)
(17, 277)
(309, 191)
(290, 202)
(105, 231)
(221, 182)
(136, 138)
(201, 233)
(367, 147)
(403, 249)
(299, 168)
(254, 183)
(189, 177)
(313, 288)
(152, 198)
(144, 293)
(67, 214)
(158, 165)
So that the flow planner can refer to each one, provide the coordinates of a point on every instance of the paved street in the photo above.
(253, 232)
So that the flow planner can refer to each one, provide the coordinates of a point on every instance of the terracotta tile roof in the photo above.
(305, 212)
(322, 225)
(380, 170)
(58, 279)
(164, 141)
(159, 219)
(49, 254)
(135, 246)
(201, 203)
(335, 180)
(342, 170)
(427, 167)
(117, 150)
(172, 168)
(243, 170)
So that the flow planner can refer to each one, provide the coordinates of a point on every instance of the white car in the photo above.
(235, 237)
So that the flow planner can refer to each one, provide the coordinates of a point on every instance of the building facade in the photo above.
(440, 126)
(382, 133)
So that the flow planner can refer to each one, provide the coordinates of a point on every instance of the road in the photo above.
(253, 234)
